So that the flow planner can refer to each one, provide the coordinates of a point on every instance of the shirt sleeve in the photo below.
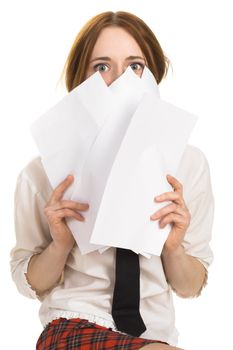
(32, 231)
(200, 203)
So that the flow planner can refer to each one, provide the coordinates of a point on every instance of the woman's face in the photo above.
(113, 52)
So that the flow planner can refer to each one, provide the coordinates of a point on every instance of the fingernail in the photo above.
(154, 216)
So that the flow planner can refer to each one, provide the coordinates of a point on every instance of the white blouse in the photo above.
(86, 287)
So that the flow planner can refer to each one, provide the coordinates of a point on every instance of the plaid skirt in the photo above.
(76, 333)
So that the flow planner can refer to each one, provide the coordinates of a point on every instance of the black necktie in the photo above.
(126, 295)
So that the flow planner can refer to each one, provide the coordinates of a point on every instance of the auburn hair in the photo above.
(75, 68)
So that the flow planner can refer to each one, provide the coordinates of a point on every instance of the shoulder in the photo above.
(33, 174)
(193, 157)
(193, 163)
(193, 171)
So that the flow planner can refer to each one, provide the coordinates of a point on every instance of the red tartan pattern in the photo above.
(76, 333)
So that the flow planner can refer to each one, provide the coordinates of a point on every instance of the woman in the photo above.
(76, 290)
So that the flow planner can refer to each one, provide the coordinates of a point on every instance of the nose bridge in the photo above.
(118, 70)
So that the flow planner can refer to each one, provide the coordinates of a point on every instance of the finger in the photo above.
(60, 189)
(170, 196)
(172, 218)
(70, 204)
(178, 187)
(69, 213)
(171, 208)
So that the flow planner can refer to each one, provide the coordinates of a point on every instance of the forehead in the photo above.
(114, 41)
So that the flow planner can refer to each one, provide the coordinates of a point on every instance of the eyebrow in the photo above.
(106, 58)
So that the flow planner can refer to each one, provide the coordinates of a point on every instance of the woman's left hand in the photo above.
(175, 213)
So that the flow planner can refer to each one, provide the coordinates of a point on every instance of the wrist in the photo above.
(173, 252)
(60, 248)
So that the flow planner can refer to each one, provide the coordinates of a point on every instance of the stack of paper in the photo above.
(119, 142)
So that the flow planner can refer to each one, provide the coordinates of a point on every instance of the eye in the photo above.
(136, 66)
(101, 67)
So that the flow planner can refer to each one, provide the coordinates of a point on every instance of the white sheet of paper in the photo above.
(151, 148)
(65, 133)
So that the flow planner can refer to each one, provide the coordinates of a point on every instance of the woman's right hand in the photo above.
(57, 209)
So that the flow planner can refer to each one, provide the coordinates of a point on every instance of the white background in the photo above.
(196, 35)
